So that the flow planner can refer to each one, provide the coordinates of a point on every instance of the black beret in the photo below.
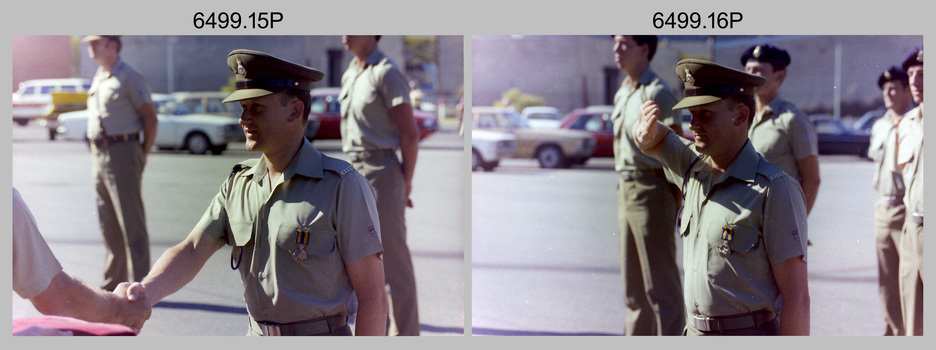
(891, 74)
(914, 58)
(777, 57)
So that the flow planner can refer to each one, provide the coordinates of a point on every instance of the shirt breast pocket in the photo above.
(732, 250)
(318, 241)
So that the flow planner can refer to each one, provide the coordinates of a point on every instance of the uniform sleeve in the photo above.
(804, 141)
(784, 230)
(665, 100)
(214, 221)
(34, 265)
(676, 155)
(357, 223)
(137, 90)
(394, 88)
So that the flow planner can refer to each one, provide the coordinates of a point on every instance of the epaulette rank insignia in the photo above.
(346, 170)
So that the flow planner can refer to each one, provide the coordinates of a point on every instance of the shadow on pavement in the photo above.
(489, 331)
(205, 307)
(588, 269)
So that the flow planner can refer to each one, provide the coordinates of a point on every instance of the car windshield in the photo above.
(499, 120)
(171, 107)
(543, 116)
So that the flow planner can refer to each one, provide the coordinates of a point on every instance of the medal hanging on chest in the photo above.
(302, 239)
(727, 234)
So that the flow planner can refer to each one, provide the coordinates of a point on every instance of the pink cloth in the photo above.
(76, 326)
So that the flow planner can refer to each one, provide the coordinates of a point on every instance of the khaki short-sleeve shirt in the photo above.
(34, 265)
(366, 97)
(115, 98)
(627, 102)
(751, 218)
(884, 152)
(321, 211)
(910, 158)
(784, 135)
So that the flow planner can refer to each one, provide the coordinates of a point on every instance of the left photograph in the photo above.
(248, 185)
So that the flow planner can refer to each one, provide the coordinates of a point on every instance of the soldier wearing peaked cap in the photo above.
(120, 108)
(743, 219)
(889, 211)
(303, 226)
(910, 160)
(780, 132)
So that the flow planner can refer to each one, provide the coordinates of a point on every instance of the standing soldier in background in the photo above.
(781, 133)
(119, 107)
(646, 202)
(376, 121)
(910, 160)
(889, 210)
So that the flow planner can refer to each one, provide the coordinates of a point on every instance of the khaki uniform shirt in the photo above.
(317, 196)
(883, 151)
(910, 158)
(34, 265)
(626, 112)
(366, 97)
(783, 135)
(115, 98)
(751, 218)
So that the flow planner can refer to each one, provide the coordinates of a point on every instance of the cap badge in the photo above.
(757, 51)
(689, 78)
(240, 68)
(920, 56)
(887, 75)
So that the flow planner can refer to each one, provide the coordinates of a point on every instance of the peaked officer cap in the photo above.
(706, 82)
(260, 74)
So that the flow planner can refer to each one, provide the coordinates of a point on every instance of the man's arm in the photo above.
(367, 279)
(177, 266)
(69, 296)
(790, 275)
(402, 116)
(648, 132)
(150, 124)
(809, 179)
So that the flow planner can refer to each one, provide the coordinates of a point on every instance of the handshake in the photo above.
(133, 306)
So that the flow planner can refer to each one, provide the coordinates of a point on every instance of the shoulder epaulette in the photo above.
(337, 165)
(247, 164)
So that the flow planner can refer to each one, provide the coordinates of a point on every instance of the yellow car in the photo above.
(553, 148)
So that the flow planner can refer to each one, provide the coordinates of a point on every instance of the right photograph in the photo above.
(696, 185)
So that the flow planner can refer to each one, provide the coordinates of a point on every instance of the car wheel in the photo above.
(52, 134)
(551, 157)
(197, 143)
(21, 122)
(475, 160)
(489, 166)
(218, 149)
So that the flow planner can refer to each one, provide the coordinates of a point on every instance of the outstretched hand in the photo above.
(137, 307)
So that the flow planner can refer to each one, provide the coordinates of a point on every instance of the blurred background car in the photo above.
(836, 137)
(597, 121)
(33, 98)
(179, 129)
(489, 146)
(541, 117)
(201, 102)
(553, 148)
(326, 111)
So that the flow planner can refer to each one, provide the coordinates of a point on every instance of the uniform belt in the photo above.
(102, 140)
(630, 175)
(318, 326)
(730, 323)
(355, 156)
(917, 218)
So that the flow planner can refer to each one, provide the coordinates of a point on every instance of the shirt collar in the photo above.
(745, 164)
(647, 77)
(307, 162)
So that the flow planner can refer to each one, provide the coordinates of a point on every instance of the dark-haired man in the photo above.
(646, 202)
(910, 160)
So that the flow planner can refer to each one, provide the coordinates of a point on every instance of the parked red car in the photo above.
(327, 110)
(597, 120)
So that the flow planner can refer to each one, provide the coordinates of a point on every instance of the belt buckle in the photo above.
(917, 218)
(270, 330)
(628, 175)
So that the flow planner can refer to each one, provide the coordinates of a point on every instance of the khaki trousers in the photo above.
(911, 276)
(888, 223)
(652, 291)
(385, 174)
(118, 171)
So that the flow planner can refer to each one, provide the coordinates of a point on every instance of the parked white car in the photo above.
(207, 102)
(34, 97)
(178, 128)
(489, 146)
(541, 117)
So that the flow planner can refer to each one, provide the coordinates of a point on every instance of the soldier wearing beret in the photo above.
(743, 219)
(303, 226)
(646, 202)
(120, 107)
(910, 160)
(889, 211)
(781, 133)
(377, 121)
